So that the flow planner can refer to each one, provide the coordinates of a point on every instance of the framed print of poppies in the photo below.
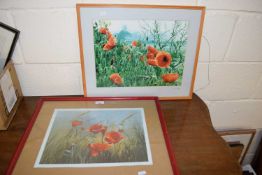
(139, 50)
(112, 136)
(79, 128)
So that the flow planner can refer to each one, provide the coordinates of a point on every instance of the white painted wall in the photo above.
(229, 76)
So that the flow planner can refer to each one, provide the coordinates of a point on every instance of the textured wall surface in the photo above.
(229, 75)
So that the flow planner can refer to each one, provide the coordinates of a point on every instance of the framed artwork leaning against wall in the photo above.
(139, 50)
(8, 38)
(241, 139)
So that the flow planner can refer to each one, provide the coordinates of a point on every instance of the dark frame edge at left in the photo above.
(12, 48)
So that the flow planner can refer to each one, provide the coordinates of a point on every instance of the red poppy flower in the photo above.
(150, 56)
(111, 43)
(134, 43)
(169, 78)
(163, 59)
(151, 49)
(107, 47)
(97, 148)
(109, 34)
(75, 123)
(113, 137)
(152, 62)
(116, 78)
(103, 30)
(96, 128)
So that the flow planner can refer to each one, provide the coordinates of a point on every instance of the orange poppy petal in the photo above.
(152, 62)
(94, 153)
(97, 148)
(169, 78)
(111, 41)
(150, 55)
(134, 43)
(163, 59)
(151, 49)
(107, 47)
(109, 34)
(113, 137)
(103, 30)
(116, 78)
(76, 123)
(96, 128)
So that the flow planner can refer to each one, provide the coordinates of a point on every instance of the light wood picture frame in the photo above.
(139, 50)
(9, 99)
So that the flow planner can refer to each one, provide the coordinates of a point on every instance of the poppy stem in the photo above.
(123, 121)
(81, 114)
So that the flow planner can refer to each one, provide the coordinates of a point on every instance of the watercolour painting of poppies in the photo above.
(139, 52)
(147, 50)
(95, 138)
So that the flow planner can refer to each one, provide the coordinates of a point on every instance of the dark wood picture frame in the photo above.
(14, 41)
